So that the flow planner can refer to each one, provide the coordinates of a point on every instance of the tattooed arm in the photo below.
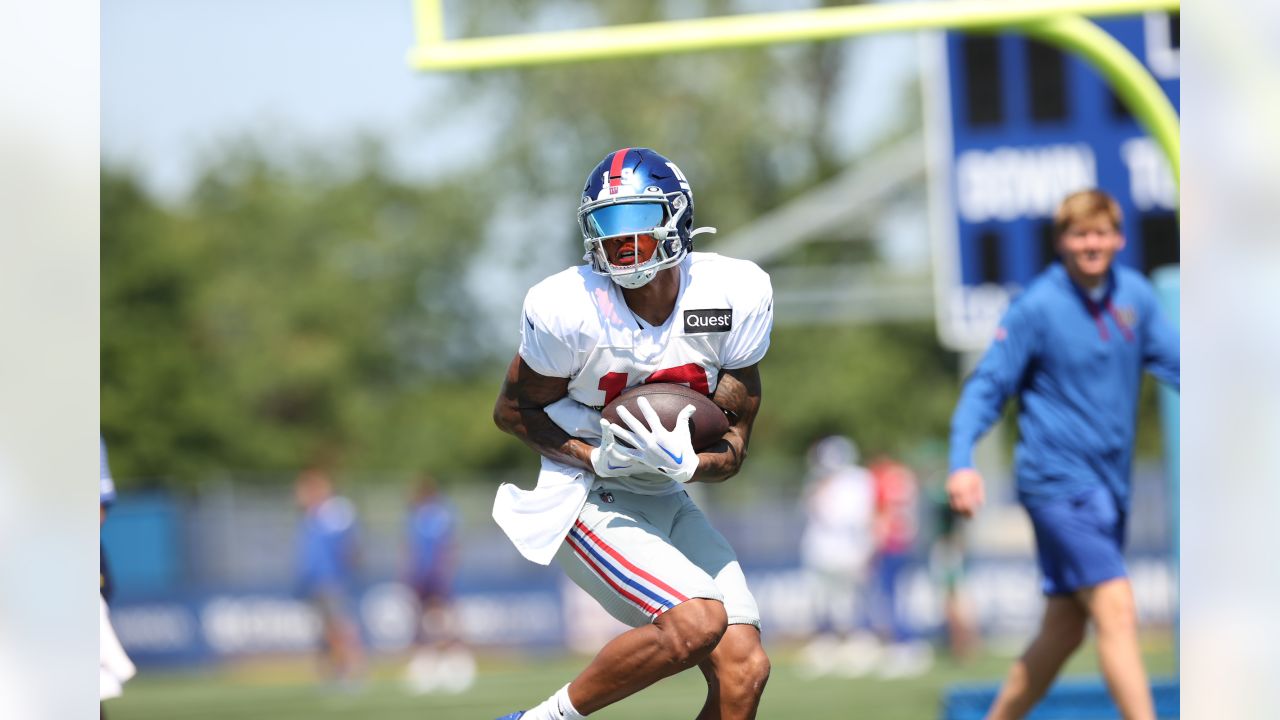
(520, 411)
(738, 393)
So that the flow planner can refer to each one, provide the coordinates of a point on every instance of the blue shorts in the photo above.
(1079, 540)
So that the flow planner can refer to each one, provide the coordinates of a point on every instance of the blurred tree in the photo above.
(282, 318)
(147, 393)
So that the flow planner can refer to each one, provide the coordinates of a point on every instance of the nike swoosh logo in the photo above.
(672, 455)
(617, 467)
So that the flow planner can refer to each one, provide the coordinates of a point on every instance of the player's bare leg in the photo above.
(345, 656)
(962, 635)
(679, 639)
(736, 673)
(1115, 618)
(1061, 632)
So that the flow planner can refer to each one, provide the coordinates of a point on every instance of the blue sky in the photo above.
(181, 78)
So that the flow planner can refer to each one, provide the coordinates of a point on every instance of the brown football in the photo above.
(707, 425)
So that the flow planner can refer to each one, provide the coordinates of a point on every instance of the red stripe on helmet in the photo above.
(615, 167)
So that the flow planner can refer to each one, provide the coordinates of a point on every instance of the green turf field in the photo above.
(283, 690)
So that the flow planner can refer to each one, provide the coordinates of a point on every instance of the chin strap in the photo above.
(702, 230)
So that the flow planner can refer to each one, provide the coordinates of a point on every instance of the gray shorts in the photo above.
(641, 555)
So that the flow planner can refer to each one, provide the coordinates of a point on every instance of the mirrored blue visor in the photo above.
(624, 218)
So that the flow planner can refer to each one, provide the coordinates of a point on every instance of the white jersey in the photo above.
(577, 325)
(839, 535)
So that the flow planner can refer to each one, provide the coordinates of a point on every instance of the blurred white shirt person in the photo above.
(836, 550)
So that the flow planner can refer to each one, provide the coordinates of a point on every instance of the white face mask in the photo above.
(635, 279)
(603, 222)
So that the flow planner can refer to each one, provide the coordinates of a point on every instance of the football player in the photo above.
(643, 308)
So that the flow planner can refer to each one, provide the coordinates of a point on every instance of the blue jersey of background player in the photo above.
(430, 543)
(106, 496)
(106, 485)
(326, 538)
(1072, 349)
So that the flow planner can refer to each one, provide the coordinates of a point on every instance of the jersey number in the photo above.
(690, 374)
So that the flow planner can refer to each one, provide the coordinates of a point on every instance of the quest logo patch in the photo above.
(708, 321)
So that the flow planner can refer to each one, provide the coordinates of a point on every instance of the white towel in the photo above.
(537, 520)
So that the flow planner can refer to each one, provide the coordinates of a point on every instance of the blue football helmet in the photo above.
(635, 192)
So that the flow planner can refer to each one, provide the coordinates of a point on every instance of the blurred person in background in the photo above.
(326, 567)
(106, 496)
(441, 661)
(114, 666)
(615, 514)
(836, 548)
(897, 528)
(1072, 349)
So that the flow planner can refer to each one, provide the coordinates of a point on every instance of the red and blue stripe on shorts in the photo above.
(652, 596)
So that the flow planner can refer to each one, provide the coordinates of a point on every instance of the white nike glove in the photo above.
(669, 452)
(612, 459)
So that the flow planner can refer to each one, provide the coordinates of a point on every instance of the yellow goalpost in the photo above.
(1059, 22)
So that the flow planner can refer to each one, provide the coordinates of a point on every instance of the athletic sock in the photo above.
(566, 708)
(556, 707)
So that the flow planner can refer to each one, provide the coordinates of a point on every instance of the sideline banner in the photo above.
(203, 628)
